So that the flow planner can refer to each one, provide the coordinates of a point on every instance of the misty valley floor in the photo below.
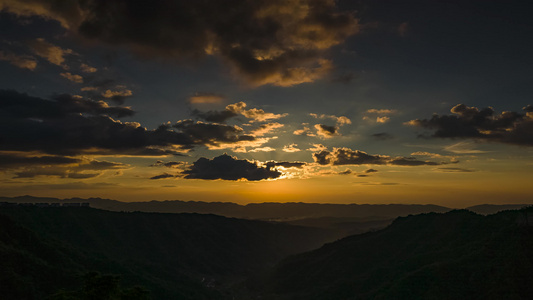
(457, 254)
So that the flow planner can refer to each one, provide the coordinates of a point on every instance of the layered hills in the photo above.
(176, 256)
(456, 255)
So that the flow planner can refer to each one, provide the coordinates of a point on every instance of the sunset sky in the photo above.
(369, 101)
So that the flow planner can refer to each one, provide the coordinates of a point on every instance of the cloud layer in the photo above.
(264, 41)
(485, 124)
(346, 156)
(226, 167)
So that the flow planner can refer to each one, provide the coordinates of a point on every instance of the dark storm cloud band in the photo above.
(471, 122)
(265, 41)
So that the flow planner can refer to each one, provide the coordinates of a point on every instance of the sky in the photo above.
(361, 101)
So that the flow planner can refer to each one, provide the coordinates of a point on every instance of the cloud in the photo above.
(88, 69)
(18, 105)
(265, 129)
(265, 42)
(72, 125)
(342, 120)
(117, 96)
(317, 148)
(234, 110)
(381, 111)
(212, 134)
(463, 148)
(17, 160)
(291, 148)
(169, 164)
(382, 136)
(227, 167)
(52, 53)
(455, 170)
(486, 125)
(88, 88)
(164, 176)
(346, 172)
(305, 131)
(326, 131)
(255, 114)
(20, 61)
(262, 149)
(284, 164)
(214, 115)
(382, 119)
(379, 115)
(428, 154)
(25, 165)
(206, 98)
(346, 156)
(72, 77)
(370, 171)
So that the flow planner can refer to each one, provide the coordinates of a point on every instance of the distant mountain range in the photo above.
(176, 256)
(346, 219)
(271, 211)
(453, 255)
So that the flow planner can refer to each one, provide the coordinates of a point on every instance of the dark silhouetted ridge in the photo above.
(456, 255)
(175, 256)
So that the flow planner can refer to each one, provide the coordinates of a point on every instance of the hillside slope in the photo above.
(456, 255)
(204, 250)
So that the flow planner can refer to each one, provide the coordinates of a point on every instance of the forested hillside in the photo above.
(191, 255)
(457, 255)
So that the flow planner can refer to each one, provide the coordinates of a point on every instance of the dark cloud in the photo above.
(371, 171)
(346, 172)
(169, 164)
(322, 157)
(455, 170)
(18, 105)
(11, 160)
(382, 136)
(211, 134)
(346, 156)
(236, 109)
(163, 176)
(77, 134)
(226, 167)
(266, 129)
(485, 124)
(51, 172)
(285, 164)
(265, 41)
(25, 166)
(214, 115)
(71, 125)
(326, 131)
